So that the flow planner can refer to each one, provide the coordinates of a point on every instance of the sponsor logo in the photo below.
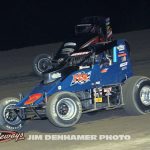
(6, 136)
(56, 75)
(121, 52)
(98, 99)
(104, 70)
(81, 78)
(124, 68)
(98, 82)
(80, 53)
(121, 47)
(83, 67)
(32, 98)
(59, 88)
(141, 81)
(122, 55)
(123, 59)
(108, 91)
(123, 64)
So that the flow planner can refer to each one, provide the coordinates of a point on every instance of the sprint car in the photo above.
(90, 30)
(96, 77)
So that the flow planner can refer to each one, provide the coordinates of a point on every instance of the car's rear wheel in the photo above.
(8, 118)
(42, 63)
(136, 94)
(64, 109)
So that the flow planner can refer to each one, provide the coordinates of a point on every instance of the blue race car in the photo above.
(93, 78)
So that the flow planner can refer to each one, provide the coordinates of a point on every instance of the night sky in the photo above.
(35, 22)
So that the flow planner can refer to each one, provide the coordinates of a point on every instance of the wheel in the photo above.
(63, 109)
(8, 118)
(136, 95)
(41, 63)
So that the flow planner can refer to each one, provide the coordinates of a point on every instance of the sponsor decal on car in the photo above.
(32, 98)
(59, 87)
(56, 75)
(98, 99)
(81, 78)
(6, 136)
(124, 68)
(121, 52)
(123, 64)
(83, 67)
(80, 53)
(98, 82)
(123, 59)
(121, 47)
(104, 70)
(122, 55)
(108, 90)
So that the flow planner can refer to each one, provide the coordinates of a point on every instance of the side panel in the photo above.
(78, 81)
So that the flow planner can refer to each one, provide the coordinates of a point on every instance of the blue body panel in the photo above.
(102, 75)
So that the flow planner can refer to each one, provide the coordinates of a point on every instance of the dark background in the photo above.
(33, 22)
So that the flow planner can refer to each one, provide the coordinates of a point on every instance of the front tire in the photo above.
(8, 118)
(63, 109)
(136, 95)
(42, 63)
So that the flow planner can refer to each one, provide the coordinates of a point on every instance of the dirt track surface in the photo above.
(16, 76)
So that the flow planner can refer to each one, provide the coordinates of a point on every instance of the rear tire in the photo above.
(136, 95)
(8, 119)
(42, 63)
(63, 109)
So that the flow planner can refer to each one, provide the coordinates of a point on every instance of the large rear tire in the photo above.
(63, 109)
(42, 63)
(8, 118)
(136, 95)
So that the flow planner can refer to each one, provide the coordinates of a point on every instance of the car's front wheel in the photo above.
(8, 118)
(64, 109)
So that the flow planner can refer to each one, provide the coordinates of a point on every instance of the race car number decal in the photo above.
(81, 78)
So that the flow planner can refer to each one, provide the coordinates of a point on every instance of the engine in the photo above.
(99, 98)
